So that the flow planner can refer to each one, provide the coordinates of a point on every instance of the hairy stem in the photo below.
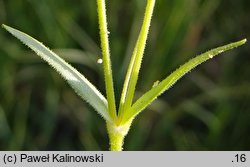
(117, 135)
(101, 9)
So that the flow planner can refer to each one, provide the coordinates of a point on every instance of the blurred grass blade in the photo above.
(77, 81)
(135, 63)
(4, 124)
(157, 90)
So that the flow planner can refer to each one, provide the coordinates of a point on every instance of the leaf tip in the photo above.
(241, 42)
(244, 41)
(7, 28)
(4, 26)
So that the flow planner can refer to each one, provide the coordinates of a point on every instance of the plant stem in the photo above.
(101, 10)
(117, 135)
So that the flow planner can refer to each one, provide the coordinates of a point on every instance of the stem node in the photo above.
(117, 134)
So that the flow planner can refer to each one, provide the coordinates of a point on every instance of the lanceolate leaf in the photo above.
(77, 81)
(135, 63)
(157, 90)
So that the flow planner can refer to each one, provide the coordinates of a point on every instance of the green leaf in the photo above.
(157, 90)
(77, 81)
(135, 62)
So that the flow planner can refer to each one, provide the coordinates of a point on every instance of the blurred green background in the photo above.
(209, 109)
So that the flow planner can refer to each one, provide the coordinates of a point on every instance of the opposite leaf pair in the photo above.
(118, 123)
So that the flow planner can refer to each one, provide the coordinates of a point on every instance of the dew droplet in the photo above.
(156, 83)
(99, 61)
(210, 56)
(108, 32)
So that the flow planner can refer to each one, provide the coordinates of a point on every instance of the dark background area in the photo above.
(208, 109)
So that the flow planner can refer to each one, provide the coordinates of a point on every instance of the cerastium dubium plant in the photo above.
(118, 121)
